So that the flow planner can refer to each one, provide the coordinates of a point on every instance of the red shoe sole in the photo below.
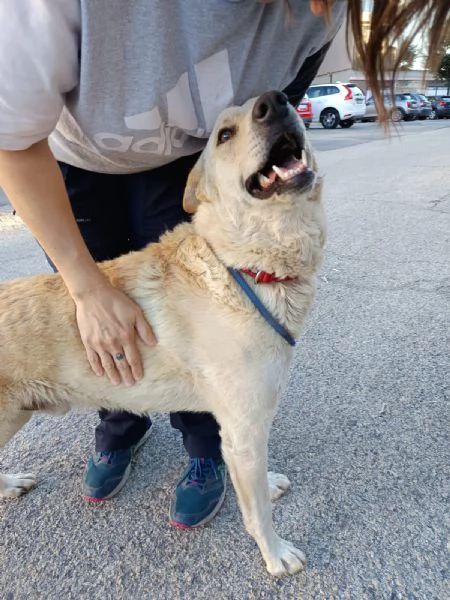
(94, 500)
(180, 525)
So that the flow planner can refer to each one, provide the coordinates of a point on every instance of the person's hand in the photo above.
(110, 324)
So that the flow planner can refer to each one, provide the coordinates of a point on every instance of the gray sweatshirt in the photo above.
(122, 86)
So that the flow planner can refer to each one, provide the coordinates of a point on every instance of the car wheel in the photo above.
(433, 114)
(307, 125)
(347, 123)
(397, 115)
(329, 118)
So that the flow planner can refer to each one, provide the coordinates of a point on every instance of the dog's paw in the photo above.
(13, 486)
(278, 484)
(286, 559)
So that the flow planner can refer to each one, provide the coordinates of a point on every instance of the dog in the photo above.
(257, 223)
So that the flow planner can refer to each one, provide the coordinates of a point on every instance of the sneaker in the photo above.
(199, 493)
(107, 471)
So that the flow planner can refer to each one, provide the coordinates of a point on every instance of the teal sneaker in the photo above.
(107, 471)
(199, 493)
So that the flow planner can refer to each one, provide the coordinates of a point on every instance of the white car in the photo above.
(336, 104)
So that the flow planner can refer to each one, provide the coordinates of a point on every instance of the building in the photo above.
(341, 65)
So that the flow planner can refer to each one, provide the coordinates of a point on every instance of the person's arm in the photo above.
(33, 183)
(39, 49)
(297, 88)
(109, 322)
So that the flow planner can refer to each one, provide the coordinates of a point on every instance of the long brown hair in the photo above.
(395, 23)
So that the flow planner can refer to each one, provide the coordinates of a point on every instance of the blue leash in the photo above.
(238, 277)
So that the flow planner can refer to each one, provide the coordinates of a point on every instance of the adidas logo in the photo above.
(212, 84)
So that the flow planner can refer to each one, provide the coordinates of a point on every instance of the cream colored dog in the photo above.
(257, 207)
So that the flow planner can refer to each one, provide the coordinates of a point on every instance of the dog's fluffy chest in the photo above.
(200, 291)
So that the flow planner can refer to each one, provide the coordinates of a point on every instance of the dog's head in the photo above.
(257, 154)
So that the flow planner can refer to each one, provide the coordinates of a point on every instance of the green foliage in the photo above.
(444, 68)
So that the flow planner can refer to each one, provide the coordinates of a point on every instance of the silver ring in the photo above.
(119, 356)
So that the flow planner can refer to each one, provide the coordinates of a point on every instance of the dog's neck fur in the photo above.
(288, 245)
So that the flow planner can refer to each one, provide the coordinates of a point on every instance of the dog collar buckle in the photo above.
(258, 276)
(264, 277)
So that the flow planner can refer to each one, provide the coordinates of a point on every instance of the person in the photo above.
(104, 108)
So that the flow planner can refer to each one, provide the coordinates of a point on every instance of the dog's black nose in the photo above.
(270, 107)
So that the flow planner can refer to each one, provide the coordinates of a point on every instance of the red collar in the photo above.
(263, 277)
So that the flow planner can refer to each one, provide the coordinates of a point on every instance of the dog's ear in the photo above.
(193, 192)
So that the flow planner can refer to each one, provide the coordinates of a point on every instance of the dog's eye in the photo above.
(225, 134)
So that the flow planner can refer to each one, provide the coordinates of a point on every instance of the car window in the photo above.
(315, 92)
(322, 90)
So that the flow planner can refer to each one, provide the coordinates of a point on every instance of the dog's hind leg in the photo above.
(244, 448)
(14, 485)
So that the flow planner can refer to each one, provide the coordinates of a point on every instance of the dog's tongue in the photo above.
(292, 163)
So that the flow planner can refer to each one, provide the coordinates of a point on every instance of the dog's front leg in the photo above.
(12, 486)
(245, 452)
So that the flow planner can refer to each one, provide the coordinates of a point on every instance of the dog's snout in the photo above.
(269, 107)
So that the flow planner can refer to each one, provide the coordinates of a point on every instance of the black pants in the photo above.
(116, 214)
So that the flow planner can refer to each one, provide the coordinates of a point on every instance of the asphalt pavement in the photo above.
(362, 433)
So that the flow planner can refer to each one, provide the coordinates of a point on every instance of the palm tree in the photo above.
(409, 58)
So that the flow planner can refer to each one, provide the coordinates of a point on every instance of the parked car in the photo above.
(304, 109)
(403, 109)
(440, 107)
(358, 95)
(336, 104)
(424, 105)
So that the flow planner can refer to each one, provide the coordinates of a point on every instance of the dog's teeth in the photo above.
(281, 174)
(304, 158)
(263, 181)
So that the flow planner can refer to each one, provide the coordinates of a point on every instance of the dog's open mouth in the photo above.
(286, 167)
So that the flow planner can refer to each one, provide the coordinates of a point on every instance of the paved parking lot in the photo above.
(362, 432)
(362, 133)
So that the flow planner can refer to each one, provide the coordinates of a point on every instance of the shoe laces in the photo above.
(199, 470)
